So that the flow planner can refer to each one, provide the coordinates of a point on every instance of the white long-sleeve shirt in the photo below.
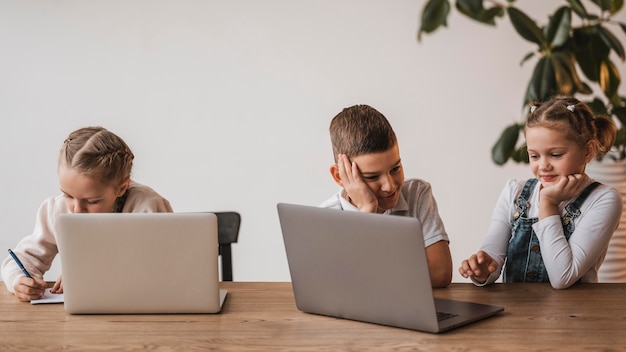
(37, 250)
(565, 261)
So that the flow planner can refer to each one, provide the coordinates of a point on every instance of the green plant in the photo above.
(564, 50)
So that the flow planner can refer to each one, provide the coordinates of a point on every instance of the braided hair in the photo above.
(98, 153)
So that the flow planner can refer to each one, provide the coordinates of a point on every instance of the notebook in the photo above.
(140, 263)
(367, 267)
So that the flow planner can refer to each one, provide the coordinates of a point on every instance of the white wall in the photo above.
(226, 104)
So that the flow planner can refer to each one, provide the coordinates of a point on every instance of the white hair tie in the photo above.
(570, 108)
(533, 108)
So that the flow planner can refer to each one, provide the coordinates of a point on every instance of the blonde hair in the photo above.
(98, 153)
(580, 123)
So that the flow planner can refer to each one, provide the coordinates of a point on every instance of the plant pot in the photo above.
(613, 173)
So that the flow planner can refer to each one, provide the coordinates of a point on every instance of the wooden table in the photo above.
(263, 317)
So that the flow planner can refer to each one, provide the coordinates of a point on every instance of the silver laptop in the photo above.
(367, 267)
(140, 263)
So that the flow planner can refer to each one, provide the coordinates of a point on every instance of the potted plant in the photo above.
(572, 57)
(563, 50)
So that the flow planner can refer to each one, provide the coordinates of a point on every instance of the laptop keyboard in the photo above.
(443, 316)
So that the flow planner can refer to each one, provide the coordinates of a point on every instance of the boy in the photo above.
(369, 170)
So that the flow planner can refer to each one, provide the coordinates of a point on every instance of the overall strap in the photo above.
(572, 210)
(585, 193)
(521, 204)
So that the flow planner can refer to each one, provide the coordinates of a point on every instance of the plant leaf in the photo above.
(527, 57)
(521, 154)
(474, 9)
(620, 113)
(612, 41)
(584, 88)
(542, 84)
(578, 8)
(612, 6)
(558, 28)
(504, 147)
(605, 5)
(567, 81)
(434, 14)
(609, 79)
(597, 107)
(470, 7)
(590, 50)
(493, 12)
(526, 27)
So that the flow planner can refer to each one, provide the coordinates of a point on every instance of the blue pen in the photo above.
(19, 264)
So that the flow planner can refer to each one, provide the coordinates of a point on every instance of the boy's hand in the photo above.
(479, 266)
(58, 286)
(357, 190)
(27, 289)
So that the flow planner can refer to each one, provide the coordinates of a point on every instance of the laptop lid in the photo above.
(366, 267)
(134, 263)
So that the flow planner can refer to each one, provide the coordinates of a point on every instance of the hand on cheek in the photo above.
(358, 192)
(567, 187)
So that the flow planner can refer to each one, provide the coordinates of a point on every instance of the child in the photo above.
(555, 227)
(94, 175)
(369, 170)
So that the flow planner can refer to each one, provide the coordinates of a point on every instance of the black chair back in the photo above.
(228, 223)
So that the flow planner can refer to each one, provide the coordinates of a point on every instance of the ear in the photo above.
(590, 151)
(123, 187)
(334, 172)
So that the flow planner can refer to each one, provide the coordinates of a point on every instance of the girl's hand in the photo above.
(566, 188)
(551, 196)
(357, 190)
(479, 266)
(58, 286)
(27, 289)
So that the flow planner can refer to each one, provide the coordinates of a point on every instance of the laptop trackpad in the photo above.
(462, 312)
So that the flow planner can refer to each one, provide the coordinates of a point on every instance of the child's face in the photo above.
(383, 174)
(85, 194)
(552, 155)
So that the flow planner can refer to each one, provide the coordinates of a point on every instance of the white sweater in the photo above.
(37, 251)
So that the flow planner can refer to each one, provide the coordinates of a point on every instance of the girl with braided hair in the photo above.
(94, 169)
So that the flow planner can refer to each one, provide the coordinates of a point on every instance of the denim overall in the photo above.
(524, 262)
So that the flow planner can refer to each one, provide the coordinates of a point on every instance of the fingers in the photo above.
(493, 266)
(465, 270)
(570, 182)
(566, 187)
(576, 182)
(478, 266)
(58, 286)
(357, 190)
(27, 289)
(483, 257)
(470, 267)
(345, 169)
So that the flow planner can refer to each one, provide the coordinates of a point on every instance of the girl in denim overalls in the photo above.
(555, 227)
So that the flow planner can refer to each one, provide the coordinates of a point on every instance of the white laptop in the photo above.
(140, 263)
(367, 267)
